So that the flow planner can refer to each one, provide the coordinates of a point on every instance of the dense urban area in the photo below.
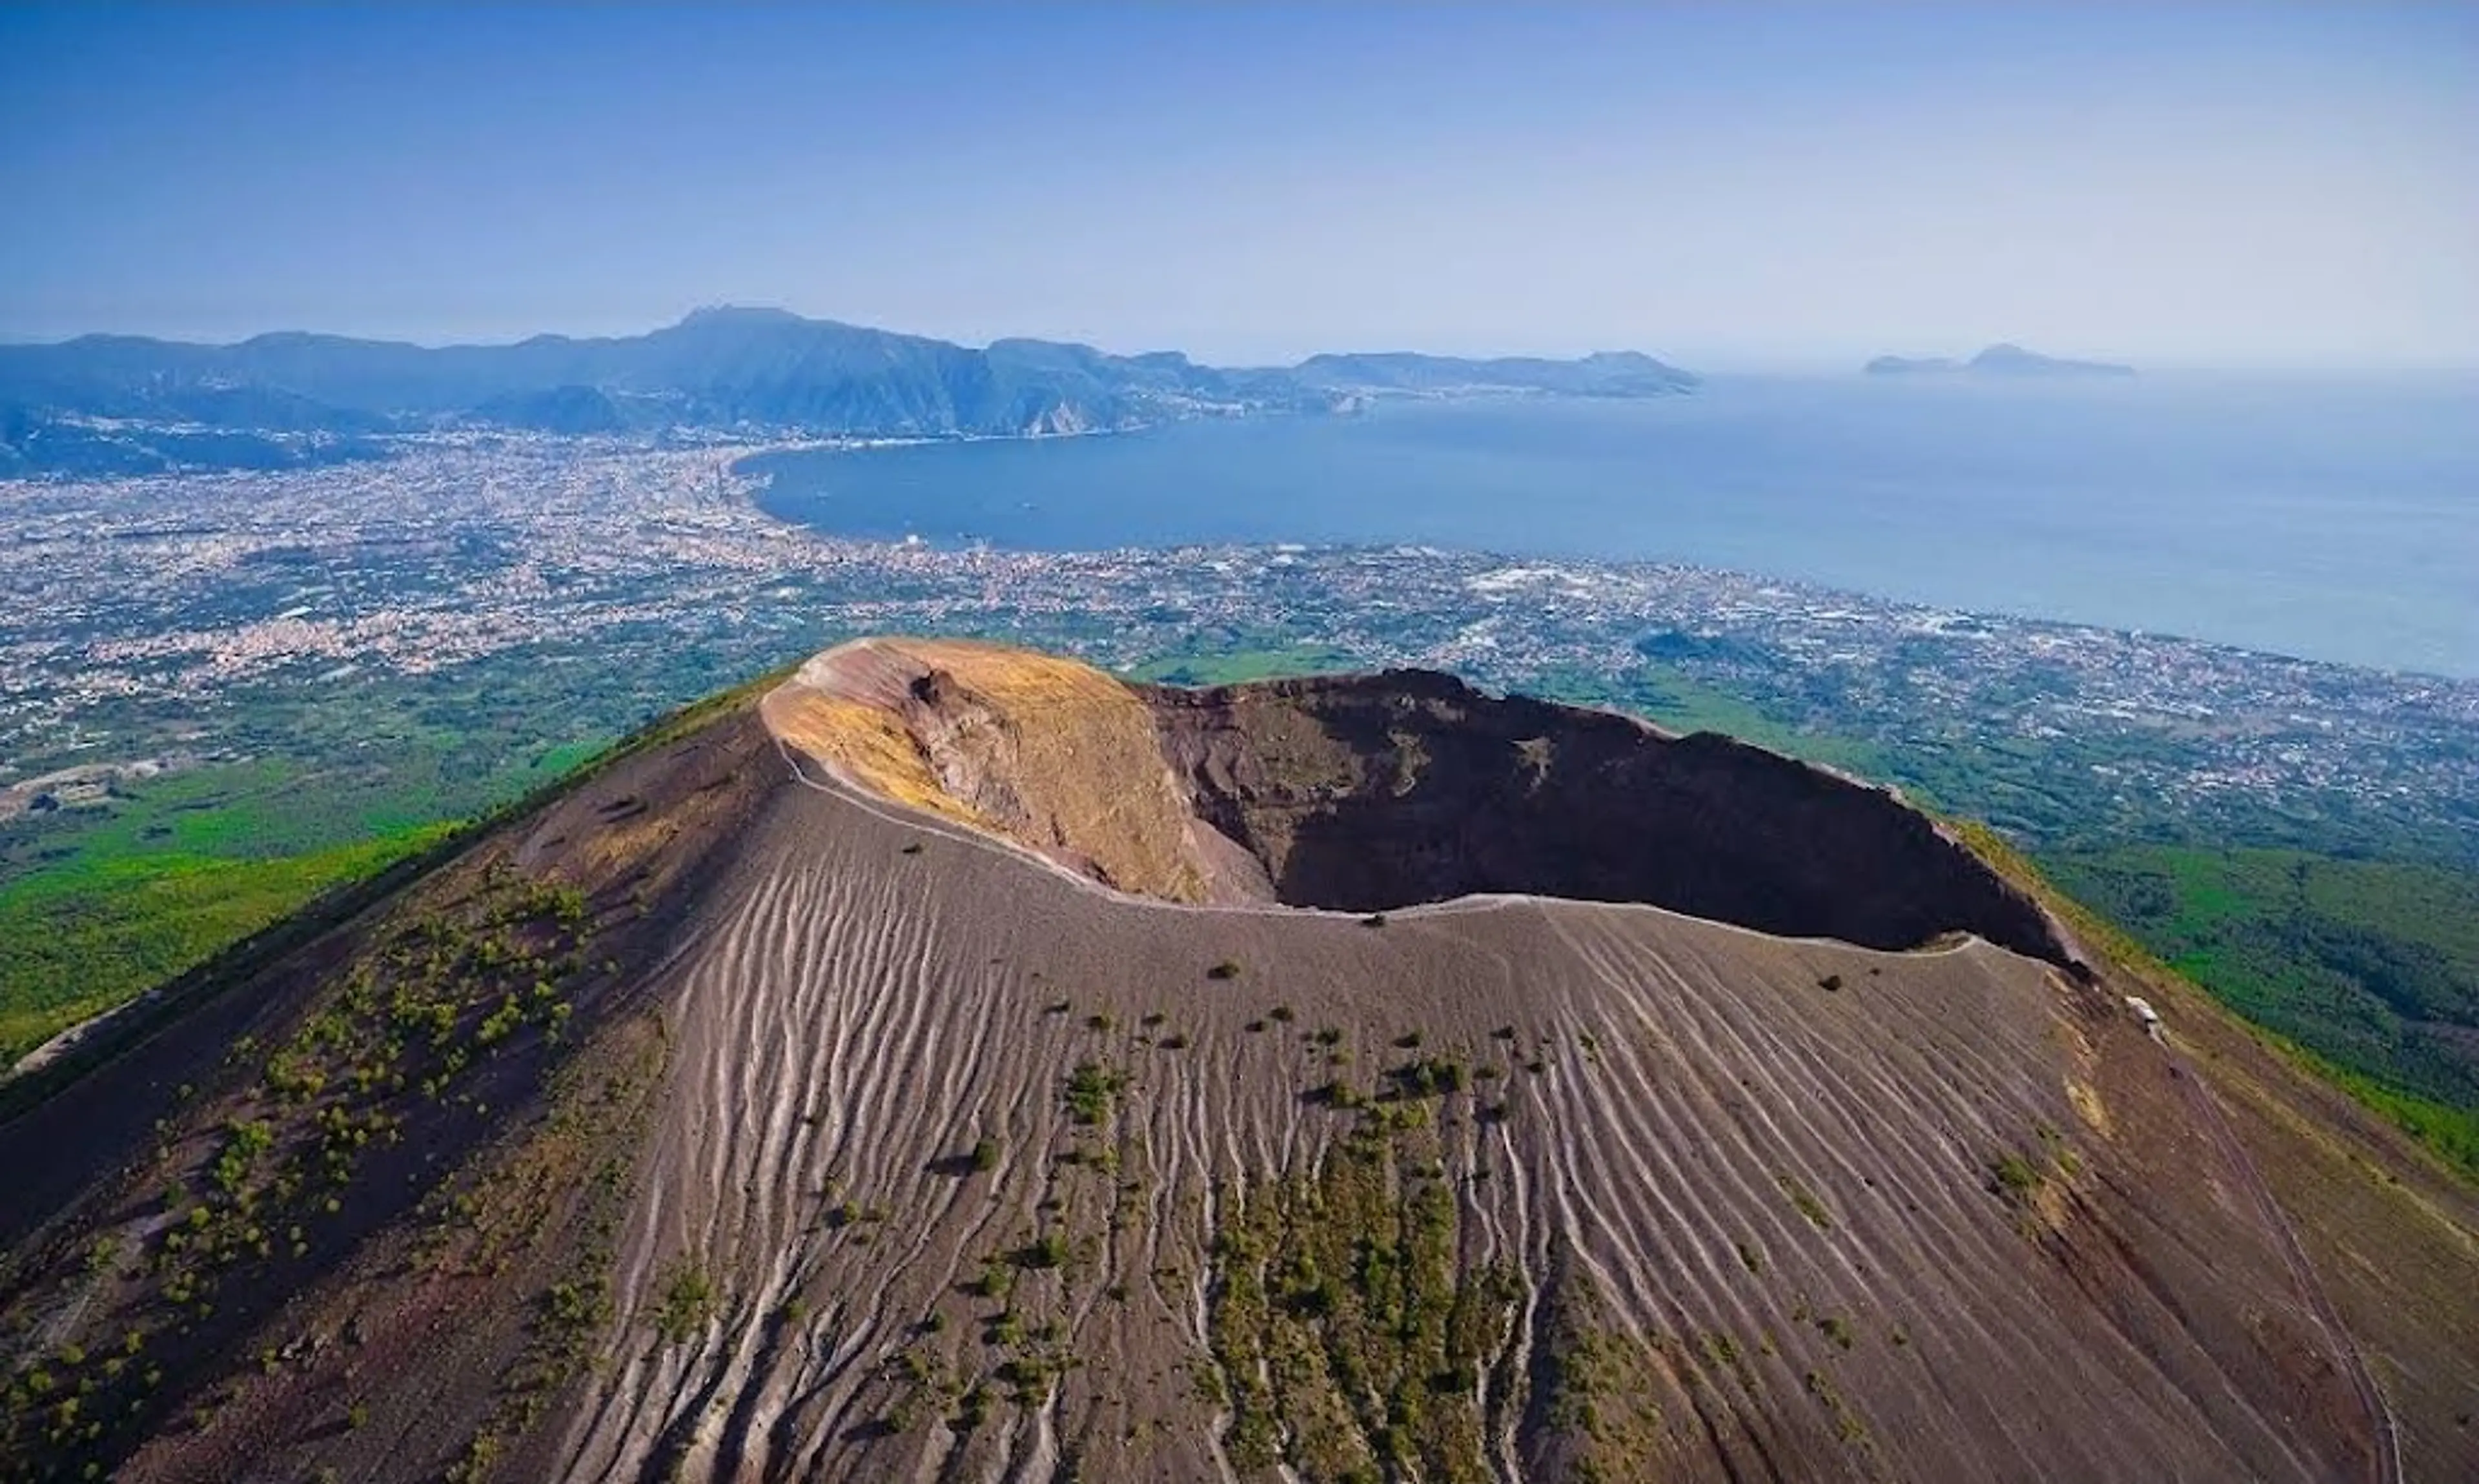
(143, 620)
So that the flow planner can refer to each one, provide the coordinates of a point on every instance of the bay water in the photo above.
(2332, 518)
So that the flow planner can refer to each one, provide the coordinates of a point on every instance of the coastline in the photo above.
(1789, 478)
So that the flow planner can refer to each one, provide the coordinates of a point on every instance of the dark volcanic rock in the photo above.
(1369, 792)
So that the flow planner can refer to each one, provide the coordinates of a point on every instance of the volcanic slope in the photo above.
(952, 1063)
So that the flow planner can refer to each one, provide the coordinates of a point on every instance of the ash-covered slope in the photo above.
(860, 1133)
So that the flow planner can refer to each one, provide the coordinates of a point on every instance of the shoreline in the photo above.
(765, 492)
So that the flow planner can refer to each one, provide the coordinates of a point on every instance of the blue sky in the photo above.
(2231, 185)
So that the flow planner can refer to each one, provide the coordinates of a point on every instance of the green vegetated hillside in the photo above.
(2371, 966)
(76, 940)
(1676, 700)
(99, 905)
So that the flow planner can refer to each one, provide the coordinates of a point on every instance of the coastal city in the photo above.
(139, 616)
(1164, 742)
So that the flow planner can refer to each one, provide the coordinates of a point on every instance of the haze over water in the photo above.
(2330, 518)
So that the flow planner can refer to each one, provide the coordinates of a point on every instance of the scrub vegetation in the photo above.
(1349, 1341)
(2366, 971)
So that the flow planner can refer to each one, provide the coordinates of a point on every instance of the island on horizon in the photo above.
(1998, 360)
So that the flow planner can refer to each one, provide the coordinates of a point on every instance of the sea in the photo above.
(2328, 518)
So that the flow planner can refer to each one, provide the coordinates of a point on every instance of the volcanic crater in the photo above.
(946, 1062)
(1371, 793)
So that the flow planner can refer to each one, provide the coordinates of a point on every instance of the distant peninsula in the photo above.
(105, 404)
(1997, 361)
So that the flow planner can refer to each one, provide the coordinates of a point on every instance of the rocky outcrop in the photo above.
(1052, 755)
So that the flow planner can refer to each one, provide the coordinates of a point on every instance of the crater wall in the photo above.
(1372, 792)
(1364, 793)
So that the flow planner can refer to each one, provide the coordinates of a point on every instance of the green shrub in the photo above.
(1092, 1091)
(688, 1300)
(2014, 1176)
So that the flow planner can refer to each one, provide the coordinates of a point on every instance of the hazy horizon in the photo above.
(1711, 361)
(2278, 187)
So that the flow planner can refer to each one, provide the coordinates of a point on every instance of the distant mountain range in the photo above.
(108, 403)
(1996, 361)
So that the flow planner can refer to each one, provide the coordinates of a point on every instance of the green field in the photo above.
(99, 905)
(78, 940)
(1234, 666)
